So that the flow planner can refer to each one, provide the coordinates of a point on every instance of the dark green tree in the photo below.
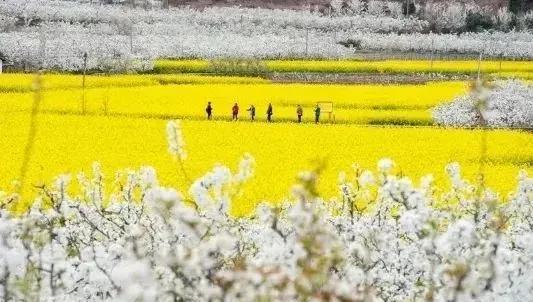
(517, 6)
(476, 21)
(408, 8)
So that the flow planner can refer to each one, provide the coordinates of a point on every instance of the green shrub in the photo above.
(408, 9)
(476, 21)
(527, 21)
(351, 43)
(517, 6)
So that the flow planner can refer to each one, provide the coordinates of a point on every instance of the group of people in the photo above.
(269, 113)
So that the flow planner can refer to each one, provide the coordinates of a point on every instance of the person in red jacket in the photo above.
(235, 111)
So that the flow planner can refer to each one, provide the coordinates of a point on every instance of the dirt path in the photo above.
(361, 78)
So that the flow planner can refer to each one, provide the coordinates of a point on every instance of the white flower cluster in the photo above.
(441, 16)
(53, 34)
(383, 242)
(518, 45)
(508, 105)
(176, 143)
(56, 34)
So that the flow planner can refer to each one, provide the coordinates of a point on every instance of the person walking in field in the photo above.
(317, 114)
(235, 112)
(209, 110)
(300, 113)
(252, 112)
(270, 112)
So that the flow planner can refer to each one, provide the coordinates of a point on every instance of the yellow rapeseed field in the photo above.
(19, 82)
(70, 143)
(180, 66)
(123, 126)
(356, 104)
(359, 66)
(401, 66)
(519, 75)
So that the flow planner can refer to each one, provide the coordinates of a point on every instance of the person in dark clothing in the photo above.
(252, 112)
(235, 112)
(270, 112)
(317, 114)
(300, 113)
(209, 110)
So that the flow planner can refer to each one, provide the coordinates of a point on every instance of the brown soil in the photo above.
(358, 78)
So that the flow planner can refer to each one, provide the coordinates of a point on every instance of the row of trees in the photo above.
(56, 34)
(444, 16)
(405, 7)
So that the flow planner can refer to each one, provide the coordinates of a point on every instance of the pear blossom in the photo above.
(508, 105)
(160, 246)
(176, 144)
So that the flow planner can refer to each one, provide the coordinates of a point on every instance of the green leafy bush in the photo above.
(477, 21)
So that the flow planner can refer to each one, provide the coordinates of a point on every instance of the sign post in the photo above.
(327, 107)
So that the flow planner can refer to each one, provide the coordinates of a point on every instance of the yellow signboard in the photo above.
(326, 107)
